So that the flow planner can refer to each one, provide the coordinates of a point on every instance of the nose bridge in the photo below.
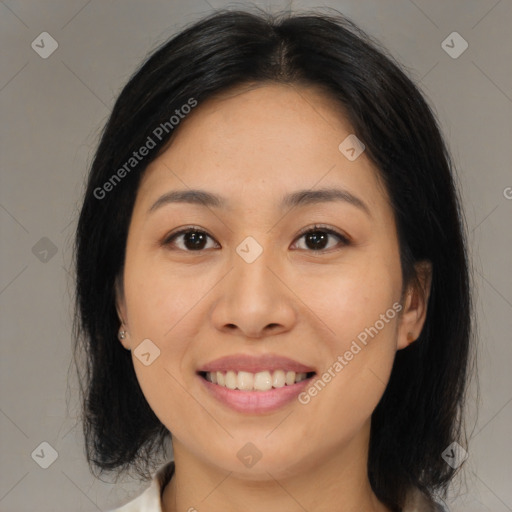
(251, 262)
(252, 297)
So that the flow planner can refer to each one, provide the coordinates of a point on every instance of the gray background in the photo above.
(52, 111)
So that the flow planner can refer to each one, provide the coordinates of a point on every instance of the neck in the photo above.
(339, 482)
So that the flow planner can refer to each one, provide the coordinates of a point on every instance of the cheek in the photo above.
(359, 308)
(159, 308)
(347, 391)
(157, 300)
(349, 300)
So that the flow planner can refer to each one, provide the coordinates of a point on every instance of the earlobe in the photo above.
(122, 335)
(415, 307)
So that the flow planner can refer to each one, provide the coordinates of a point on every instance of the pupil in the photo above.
(194, 240)
(317, 236)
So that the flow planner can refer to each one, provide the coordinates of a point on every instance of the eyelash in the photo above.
(316, 228)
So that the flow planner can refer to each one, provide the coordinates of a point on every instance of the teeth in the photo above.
(290, 378)
(261, 381)
(231, 380)
(278, 379)
(245, 381)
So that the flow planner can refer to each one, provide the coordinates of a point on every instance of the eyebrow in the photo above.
(298, 198)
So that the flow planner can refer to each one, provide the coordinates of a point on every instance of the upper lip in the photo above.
(255, 364)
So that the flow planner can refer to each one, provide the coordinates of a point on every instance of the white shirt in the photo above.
(151, 499)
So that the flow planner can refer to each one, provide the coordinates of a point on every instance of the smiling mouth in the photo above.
(260, 381)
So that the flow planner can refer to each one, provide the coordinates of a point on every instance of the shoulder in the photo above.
(150, 499)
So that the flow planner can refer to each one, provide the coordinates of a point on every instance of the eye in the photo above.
(317, 238)
(192, 239)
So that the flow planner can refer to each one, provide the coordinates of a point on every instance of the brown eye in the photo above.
(318, 238)
(190, 239)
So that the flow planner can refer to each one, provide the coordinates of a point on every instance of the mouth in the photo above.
(255, 384)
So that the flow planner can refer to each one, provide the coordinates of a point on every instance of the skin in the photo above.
(253, 145)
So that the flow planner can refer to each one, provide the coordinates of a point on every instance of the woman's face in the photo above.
(247, 284)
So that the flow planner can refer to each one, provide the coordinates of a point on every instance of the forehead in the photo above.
(262, 141)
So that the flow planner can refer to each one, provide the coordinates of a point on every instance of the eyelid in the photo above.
(345, 240)
(181, 231)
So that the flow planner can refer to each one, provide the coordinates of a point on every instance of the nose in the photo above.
(253, 301)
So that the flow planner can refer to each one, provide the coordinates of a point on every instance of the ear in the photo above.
(121, 307)
(415, 305)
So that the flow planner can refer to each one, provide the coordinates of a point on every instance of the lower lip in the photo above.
(256, 402)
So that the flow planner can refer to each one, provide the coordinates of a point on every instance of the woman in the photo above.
(271, 267)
